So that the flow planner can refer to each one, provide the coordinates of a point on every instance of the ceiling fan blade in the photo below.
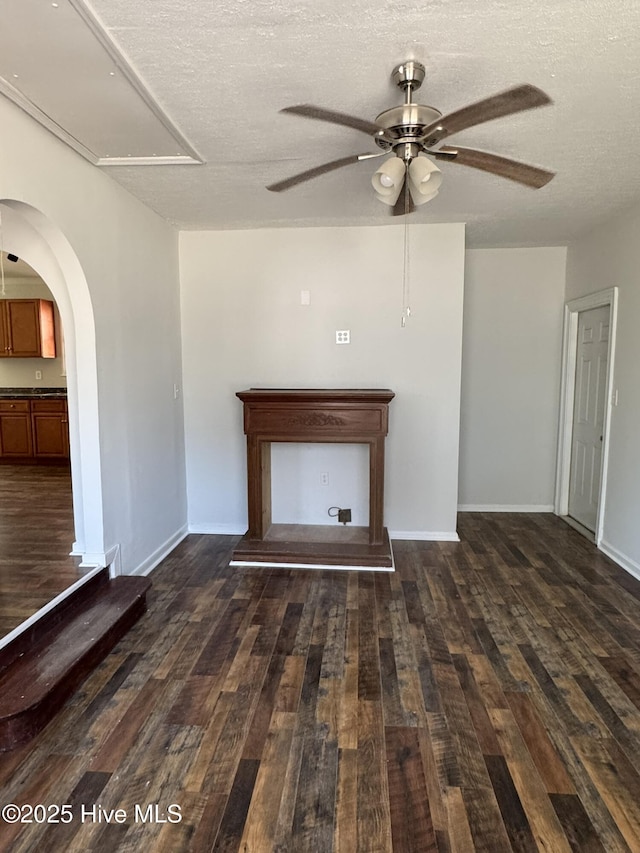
(320, 114)
(523, 173)
(404, 204)
(515, 100)
(308, 174)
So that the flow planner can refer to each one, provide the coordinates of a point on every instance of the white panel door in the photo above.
(588, 415)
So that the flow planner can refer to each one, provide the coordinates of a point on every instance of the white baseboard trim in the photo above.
(102, 559)
(148, 565)
(505, 508)
(94, 558)
(220, 529)
(425, 535)
(112, 557)
(621, 559)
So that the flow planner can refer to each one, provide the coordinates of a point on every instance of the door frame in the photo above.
(572, 308)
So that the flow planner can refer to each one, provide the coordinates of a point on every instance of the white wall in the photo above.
(610, 257)
(511, 359)
(243, 326)
(127, 260)
(21, 372)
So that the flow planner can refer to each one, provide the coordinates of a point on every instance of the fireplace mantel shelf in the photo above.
(354, 416)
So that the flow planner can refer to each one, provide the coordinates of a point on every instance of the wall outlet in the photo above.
(38, 374)
(324, 479)
(344, 516)
(343, 336)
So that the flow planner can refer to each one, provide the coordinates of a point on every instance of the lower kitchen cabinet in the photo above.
(34, 430)
(15, 429)
(50, 429)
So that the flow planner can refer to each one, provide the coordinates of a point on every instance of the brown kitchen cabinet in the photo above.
(27, 328)
(50, 429)
(15, 429)
(34, 431)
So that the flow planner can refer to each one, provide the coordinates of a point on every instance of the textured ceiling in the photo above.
(222, 70)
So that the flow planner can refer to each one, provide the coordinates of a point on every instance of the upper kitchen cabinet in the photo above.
(27, 329)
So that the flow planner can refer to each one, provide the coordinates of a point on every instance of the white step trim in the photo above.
(505, 508)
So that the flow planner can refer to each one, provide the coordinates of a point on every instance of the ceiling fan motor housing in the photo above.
(407, 124)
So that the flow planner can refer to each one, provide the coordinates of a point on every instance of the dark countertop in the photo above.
(30, 393)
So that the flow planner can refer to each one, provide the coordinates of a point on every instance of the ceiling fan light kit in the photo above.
(388, 180)
(412, 133)
(424, 179)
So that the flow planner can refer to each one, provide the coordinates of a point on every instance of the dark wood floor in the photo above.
(36, 535)
(485, 697)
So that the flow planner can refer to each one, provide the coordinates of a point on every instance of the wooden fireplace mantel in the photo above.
(355, 416)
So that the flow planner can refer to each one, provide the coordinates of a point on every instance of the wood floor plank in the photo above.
(284, 823)
(368, 657)
(513, 814)
(348, 712)
(483, 728)
(374, 820)
(580, 832)
(235, 814)
(411, 824)
(616, 780)
(120, 741)
(485, 821)
(542, 818)
(455, 835)
(260, 829)
(345, 839)
(313, 816)
(544, 755)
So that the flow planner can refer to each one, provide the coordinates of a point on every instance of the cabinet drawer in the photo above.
(14, 406)
(48, 405)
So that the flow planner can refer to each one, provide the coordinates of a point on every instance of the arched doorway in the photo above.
(39, 242)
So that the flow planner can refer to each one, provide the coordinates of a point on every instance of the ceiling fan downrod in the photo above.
(404, 125)
(408, 76)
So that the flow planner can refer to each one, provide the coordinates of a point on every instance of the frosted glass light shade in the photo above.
(424, 179)
(388, 180)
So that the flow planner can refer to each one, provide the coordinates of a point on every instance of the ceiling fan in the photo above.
(413, 134)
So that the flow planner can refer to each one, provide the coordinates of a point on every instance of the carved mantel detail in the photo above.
(315, 419)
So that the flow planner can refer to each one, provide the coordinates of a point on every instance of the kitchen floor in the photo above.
(36, 535)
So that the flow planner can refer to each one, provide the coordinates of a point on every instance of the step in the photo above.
(35, 685)
(66, 605)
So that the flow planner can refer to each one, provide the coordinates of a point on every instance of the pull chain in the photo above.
(2, 257)
(406, 308)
